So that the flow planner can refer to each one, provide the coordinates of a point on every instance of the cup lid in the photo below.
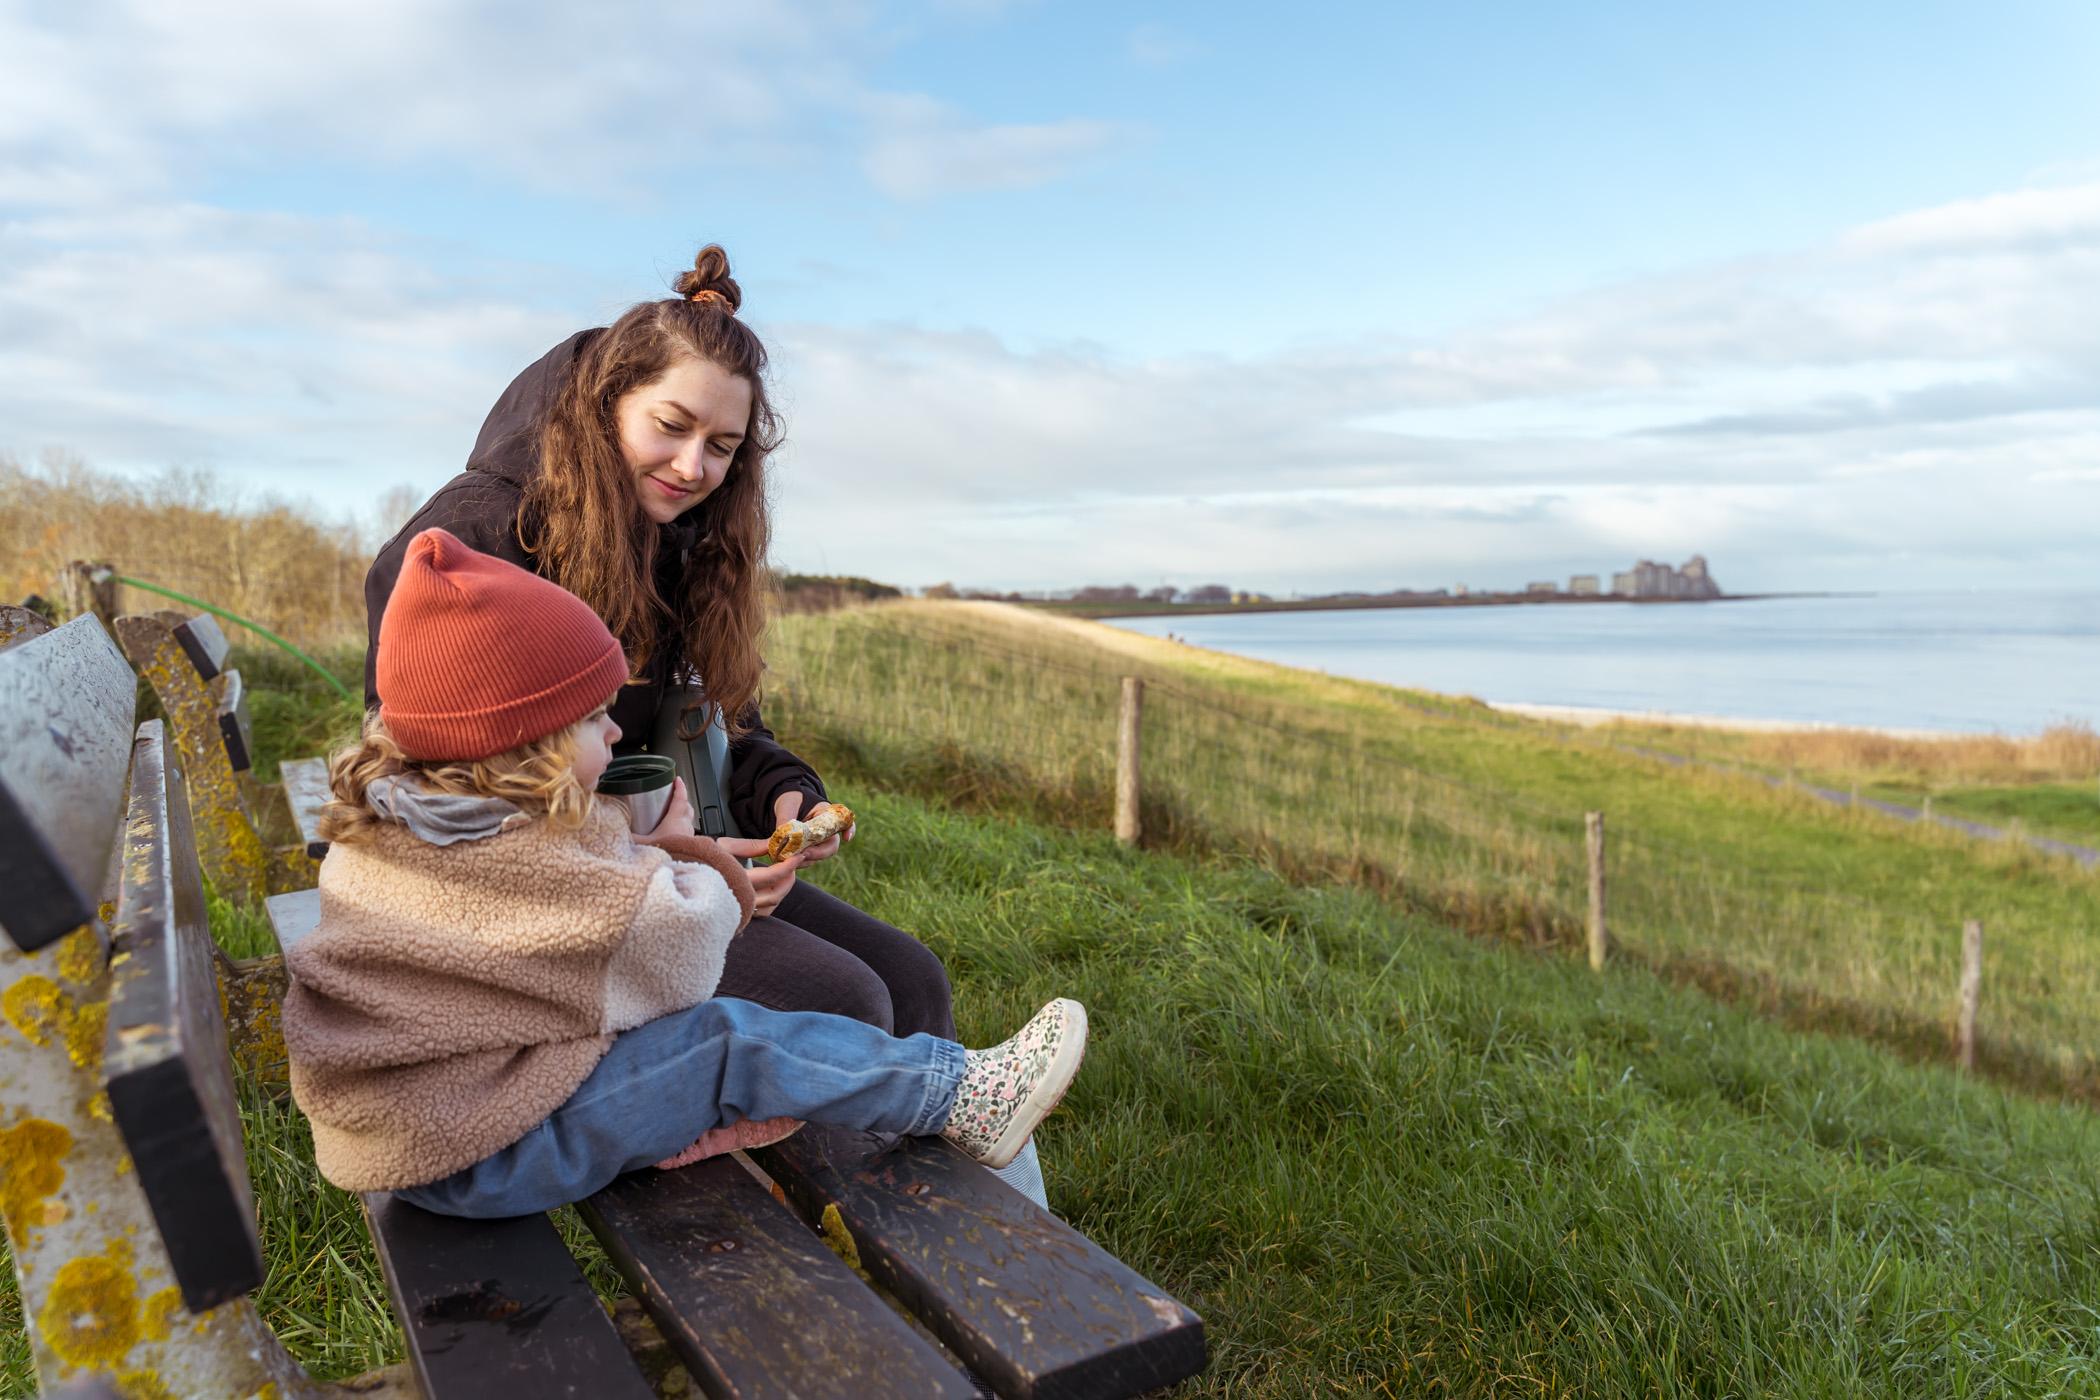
(634, 780)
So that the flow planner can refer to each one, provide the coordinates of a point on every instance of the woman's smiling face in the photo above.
(678, 433)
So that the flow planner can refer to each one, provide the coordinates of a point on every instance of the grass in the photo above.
(1380, 1153)
(2048, 784)
(1382, 1157)
(1822, 915)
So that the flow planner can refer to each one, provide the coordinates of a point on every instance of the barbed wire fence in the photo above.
(953, 710)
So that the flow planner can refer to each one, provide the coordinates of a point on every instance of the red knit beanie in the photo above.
(478, 656)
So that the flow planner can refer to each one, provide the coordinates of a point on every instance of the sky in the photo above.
(1302, 299)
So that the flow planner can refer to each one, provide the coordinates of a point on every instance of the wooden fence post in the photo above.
(1971, 993)
(1127, 731)
(82, 593)
(1593, 828)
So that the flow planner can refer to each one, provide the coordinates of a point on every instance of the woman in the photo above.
(628, 465)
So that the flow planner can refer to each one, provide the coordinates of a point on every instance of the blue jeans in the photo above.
(663, 1084)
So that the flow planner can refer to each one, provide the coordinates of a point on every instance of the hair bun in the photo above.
(710, 274)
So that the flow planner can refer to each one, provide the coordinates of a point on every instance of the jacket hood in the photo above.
(507, 446)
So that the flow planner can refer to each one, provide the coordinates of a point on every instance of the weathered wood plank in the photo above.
(164, 1062)
(204, 642)
(751, 1300)
(230, 700)
(227, 846)
(19, 624)
(497, 1308)
(306, 791)
(66, 701)
(293, 916)
(1035, 1307)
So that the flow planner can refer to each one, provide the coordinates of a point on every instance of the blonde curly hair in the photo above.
(540, 777)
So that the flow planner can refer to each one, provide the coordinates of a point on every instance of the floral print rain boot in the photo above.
(1008, 1089)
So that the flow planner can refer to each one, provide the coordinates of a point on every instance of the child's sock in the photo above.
(1025, 1174)
(741, 1135)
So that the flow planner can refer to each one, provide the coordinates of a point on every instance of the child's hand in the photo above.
(677, 818)
(770, 883)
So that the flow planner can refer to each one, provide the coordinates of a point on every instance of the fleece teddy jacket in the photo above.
(453, 996)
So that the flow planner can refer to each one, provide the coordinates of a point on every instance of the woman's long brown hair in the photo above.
(582, 516)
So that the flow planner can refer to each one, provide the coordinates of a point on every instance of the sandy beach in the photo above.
(1590, 718)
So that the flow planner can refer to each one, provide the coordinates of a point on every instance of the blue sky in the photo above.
(1349, 296)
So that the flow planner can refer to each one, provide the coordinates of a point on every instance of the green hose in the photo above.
(109, 575)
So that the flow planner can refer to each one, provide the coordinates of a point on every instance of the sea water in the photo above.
(2004, 662)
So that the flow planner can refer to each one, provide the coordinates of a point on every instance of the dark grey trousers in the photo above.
(818, 953)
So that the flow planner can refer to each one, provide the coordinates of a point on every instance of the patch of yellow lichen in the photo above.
(36, 1008)
(85, 1030)
(98, 1107)
(32, 1168)
(90, 1318)
(143, 1385)
(158, 1314)
(841, 1239)
(268, 1391)
(258, 1038)
(79, 958)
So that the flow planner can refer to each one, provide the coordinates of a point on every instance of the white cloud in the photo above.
(116, 100)
(919, 148)
(1924, 386)
(1154, 45)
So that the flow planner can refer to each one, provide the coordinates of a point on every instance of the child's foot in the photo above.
(1008, 1089)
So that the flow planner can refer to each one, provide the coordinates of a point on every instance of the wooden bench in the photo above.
(758, 1291)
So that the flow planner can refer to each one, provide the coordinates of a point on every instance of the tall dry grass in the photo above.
(2061, 753)
(272, 562)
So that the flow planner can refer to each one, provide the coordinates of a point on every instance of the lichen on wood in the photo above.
(32, 1168)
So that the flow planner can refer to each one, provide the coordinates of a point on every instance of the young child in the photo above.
(506, 1002)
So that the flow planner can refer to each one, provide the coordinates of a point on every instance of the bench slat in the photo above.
(19, 624)
(293, 916)
(306, 791)
(164, 1064)
(203, 640)
(230, 699)
(497, 1308)
(66, 701)
(753, 1303)
(1035, 1307)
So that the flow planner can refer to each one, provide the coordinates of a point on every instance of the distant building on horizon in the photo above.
(1583, 585)
(1649, 579)
(1541, 588)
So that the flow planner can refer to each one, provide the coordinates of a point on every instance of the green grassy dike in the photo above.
(1382, 1157)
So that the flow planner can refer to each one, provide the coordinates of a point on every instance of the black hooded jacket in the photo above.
(480, 506)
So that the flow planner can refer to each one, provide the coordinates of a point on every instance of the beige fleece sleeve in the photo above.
(702, 850)
(672, 956)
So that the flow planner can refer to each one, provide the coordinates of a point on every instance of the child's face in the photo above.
(594, 740)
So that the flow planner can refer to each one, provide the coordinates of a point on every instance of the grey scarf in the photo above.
(440, 818)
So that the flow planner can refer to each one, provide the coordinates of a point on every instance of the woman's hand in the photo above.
(677, 819)
(786, 808)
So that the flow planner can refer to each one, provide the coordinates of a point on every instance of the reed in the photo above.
(284, 567)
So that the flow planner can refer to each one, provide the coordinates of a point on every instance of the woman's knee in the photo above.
(858, 993)
(920, 996)
(783, 967)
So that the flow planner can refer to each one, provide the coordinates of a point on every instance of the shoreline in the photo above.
(1593, 717)
(1110, 612)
